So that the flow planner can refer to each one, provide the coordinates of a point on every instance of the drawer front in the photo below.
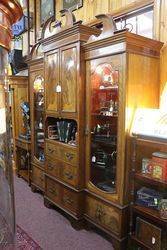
(38, 177)
(53, 167)
(53, 190)
(104, 215)
(70, 200)
(69, 155)
(69, 174)
(62, 152)
(52, 150)
(149, 234)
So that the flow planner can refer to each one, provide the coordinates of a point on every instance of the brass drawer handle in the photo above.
(69, 156)
(52, 191)
(68, 175)
(68, 200)
(50, 167)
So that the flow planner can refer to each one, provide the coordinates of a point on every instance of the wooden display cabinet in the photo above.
(122, 73)
(36, 80)
(18, 86)
(148, 228)
(64, 121)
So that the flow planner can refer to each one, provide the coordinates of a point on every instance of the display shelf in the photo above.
(57, 142)
(104, 116)
(40, 110)
(150, 213)
(149, 180)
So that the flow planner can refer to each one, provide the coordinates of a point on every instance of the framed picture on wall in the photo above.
(47, 8)
(72, 4)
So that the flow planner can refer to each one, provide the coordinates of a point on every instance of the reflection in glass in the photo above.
(38, 89)
(104, 113)
(7, 225)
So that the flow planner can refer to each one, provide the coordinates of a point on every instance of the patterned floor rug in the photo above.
(24, 241)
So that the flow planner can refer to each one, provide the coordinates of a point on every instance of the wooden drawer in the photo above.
(53, 167)
(53, 190)
(62, 152)
(70, 200)
(106, 216)
(38, 177)
(69, 155)
(149, 234)
(52, 150)
(68, 174)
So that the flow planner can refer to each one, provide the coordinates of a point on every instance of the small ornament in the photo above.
(163, 209)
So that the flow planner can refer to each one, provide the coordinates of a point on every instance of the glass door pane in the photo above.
(38, 89)
(104, 99)
(7, 225)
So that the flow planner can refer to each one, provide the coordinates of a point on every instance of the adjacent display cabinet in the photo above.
(20, 124)
(36, 81)
(149, 189)
(64, 120)
(122, 73)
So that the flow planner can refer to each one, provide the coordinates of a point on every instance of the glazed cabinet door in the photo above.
(69, 64)
(103, 101)
(37, 115)
(52, 83)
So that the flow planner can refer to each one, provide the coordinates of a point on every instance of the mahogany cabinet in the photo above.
(36, 81)
(64, 115)
(122, 74)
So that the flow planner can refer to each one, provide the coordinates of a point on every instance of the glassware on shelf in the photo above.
(38, 87)
(104, 119)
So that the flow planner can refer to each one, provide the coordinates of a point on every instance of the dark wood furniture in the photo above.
(151, 230)
(122, 73)
(64, 104)
(36, 81)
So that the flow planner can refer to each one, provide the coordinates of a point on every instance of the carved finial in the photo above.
(70, 18)
(109, 27)
(50, 27)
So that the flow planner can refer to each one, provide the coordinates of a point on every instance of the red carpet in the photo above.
(24, 241)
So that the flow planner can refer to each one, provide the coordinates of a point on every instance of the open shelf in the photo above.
(149, 180)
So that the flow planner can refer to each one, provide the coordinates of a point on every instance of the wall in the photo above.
(93, 7)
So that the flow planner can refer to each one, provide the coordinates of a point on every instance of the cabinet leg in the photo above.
(47, 203)
(77, 225)
(33, 189)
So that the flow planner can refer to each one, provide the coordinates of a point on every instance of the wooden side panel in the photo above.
(163, 78)
(69, 79)
(143, 84)
(51, 81)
